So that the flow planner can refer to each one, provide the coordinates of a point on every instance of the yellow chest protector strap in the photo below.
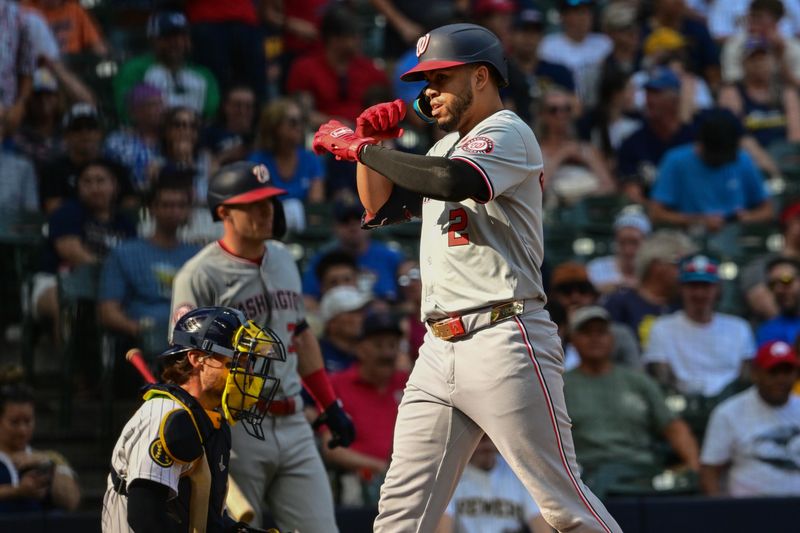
(179, 432)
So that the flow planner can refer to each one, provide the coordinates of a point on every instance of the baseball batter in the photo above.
(261, 279)
(169, 467)
(491, 361)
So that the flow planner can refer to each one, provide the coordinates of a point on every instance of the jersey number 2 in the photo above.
(456, 236)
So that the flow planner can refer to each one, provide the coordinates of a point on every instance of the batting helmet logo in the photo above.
(478, 145)
(261, 173)
(422, 44)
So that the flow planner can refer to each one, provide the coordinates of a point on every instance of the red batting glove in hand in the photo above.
(381, 121)
(341, 141)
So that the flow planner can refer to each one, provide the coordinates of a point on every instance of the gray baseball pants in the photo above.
(504, 380)
(286, 473)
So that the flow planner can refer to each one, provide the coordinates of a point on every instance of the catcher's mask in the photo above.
(226, 332)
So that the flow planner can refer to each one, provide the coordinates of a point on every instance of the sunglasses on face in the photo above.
(581, 287)
(785, 280)
(556, 109)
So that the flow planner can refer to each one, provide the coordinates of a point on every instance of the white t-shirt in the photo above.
(584, 59)
(726, 17)
(761, 442)
(493, 501)
(704, 357)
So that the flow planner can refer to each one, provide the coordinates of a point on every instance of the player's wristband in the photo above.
(319, 387)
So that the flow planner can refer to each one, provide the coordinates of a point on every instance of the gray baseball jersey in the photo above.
(137, 455)
(474, 254)
(505, 378)
(268, 293)
(286, 470)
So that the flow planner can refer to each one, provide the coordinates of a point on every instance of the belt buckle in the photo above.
(507, 310)
(448, 328)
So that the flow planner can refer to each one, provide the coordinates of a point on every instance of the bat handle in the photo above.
(134, 357)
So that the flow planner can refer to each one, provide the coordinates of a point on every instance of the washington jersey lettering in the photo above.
(269, 293)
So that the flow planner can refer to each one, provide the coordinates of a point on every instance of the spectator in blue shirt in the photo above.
(279, 146)
(136, 282)
(783, 281)
(377, 262)
(640, 154)
(81, 233)
(711, 182)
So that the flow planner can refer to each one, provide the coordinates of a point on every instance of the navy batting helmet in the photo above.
(226, 332)
(458, 44)
(243, 183)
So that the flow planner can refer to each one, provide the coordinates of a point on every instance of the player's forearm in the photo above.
(683, 442)
(373, 188)
(439, 178)
(309, 355)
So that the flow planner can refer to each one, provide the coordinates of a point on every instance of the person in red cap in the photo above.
(752, 278)
(753, 437)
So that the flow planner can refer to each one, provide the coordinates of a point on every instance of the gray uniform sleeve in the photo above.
(502, 152)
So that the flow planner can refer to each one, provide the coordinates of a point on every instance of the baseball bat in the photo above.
(134, 357)
(239, 506)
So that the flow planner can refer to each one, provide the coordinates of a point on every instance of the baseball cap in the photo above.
(380, 322)
(663, 79)
(773, 353)
(80, 113)
(166, 23)
(569, 272)
(485, 7)
(255, 185)
(347, 210)
(698, 268)
(141, 93)
(581, 316)
(633, 216)
(341, 299)
(44, 81)
(529, 18)
(663, 40)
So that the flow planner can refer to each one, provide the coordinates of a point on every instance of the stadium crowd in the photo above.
(670, 131)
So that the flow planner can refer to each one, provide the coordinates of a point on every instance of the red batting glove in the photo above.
(381, 121)
(341, 141)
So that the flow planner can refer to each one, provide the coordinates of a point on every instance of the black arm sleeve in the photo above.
(147, 506)
(439, 178)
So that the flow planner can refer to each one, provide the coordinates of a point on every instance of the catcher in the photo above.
(169, 467)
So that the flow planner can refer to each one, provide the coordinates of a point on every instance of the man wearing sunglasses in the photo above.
(784, 284)
(169, 468)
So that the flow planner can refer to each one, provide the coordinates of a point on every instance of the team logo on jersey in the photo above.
(159, 455)
(339, 132)
(422, 44)
(478, 145)
(180, 311)
(261, 173)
